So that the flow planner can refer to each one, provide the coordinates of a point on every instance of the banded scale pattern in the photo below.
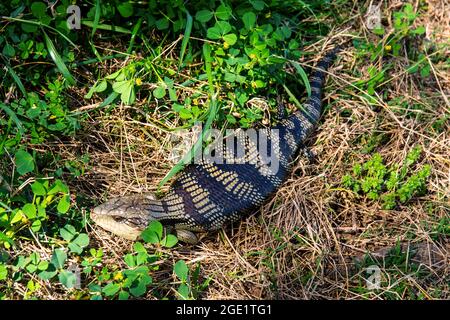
(207, 195)
(210, 195)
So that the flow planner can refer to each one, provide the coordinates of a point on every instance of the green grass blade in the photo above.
(212, 112)
(16, 78)
(37, 23)
(292, 96)
(133, 35)
(301, 72)
(112, 96)
(196, 147)
(98, 11)
(307, 7)
(208, 62)
(186, 37)
(94, 49)
(94, 28)
(109, 99)
(107, 27)
(57, 59)
(14, 117)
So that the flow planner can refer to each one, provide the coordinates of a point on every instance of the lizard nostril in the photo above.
(97, 210)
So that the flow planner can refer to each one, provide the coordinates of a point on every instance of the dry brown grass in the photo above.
(302, 244)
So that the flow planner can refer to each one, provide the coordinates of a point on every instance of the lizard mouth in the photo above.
(117, 225)
(126, 217)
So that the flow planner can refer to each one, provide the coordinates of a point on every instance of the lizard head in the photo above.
(126, 217)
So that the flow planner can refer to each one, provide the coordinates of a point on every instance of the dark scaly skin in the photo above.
(207, 196)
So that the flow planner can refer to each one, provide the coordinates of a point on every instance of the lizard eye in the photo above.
(131, 221)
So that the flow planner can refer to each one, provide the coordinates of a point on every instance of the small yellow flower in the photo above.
(226, 45)
(195, 102)
(48, 199)
(254, 85)
(52, 116)
(252, 56)
(24, 219)
(139, 81)
(388, 47)
(118, 276)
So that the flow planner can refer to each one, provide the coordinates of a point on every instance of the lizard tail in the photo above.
(313, 106)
